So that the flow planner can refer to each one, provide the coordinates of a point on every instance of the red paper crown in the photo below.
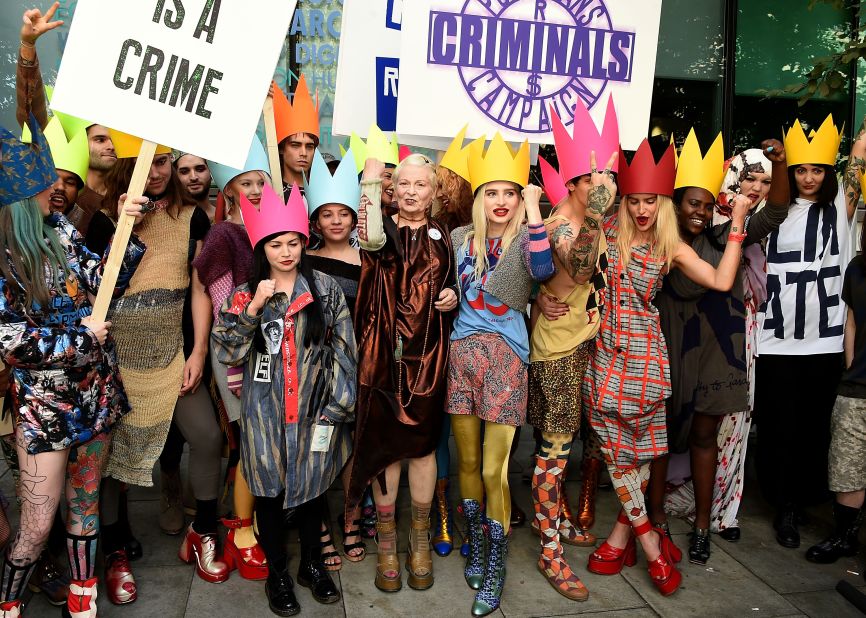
(644, 175)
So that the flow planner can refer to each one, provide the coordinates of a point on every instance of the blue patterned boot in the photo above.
(474, 571)
(487, 598)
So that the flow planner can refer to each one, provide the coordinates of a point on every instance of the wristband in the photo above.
(28, 45)
(732, 237)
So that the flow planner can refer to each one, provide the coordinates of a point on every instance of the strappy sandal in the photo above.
(327, 541)
(350, 547)
(388, 562)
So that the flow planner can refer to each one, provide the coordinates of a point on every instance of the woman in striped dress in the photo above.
(628, 378)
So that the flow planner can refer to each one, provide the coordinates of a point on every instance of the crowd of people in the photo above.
(349, 320)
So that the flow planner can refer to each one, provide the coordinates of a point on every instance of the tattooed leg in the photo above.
(39, 493)
(84, 472)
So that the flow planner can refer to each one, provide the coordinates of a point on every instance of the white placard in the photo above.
(501, 64)
(190, 74)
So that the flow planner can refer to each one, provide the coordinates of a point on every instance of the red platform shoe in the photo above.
(202, 549)
(249, 561)
(609, 560)
(10, 609)
(663, 571)
(119, 581)
(81, 602)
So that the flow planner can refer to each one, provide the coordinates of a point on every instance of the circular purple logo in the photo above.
(517, 59)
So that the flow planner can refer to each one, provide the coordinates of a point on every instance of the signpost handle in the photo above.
(123, 231)
(272, 144)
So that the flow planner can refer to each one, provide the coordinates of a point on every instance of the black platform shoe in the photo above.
(787, 534)
(280, 590)
(312, 575)
(843, 542)
(699, 547)
(731, 535)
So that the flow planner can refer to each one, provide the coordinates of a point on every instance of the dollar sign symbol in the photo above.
(533, 88)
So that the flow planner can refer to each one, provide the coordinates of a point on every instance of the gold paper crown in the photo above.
(820, 148)
(377, 146)
(696, 170)
(456, 158)
(126, 146)
(499, 162)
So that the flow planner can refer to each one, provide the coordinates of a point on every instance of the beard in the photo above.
(200, 196)
(100, 164)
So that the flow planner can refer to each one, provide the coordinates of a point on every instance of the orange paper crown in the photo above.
(300, 115)
(644, 175)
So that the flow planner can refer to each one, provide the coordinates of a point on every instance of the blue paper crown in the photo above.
(25, 169)
(342, 188)
(257, 161)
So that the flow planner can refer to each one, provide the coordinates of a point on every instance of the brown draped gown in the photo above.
(394, 301)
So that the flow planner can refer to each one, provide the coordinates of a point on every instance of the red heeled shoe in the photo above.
(662, 571)
(81, 602)
(10, 609)
(249, 561)
(609, 560)
(119, 581)
(202, 549)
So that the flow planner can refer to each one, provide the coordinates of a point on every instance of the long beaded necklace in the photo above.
(398, 354)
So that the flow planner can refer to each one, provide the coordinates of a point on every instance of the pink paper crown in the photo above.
(573, 152)
(273, 216)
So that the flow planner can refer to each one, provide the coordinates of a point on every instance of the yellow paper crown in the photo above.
(696, 170)
(456, 158)
(499, 162)
(126, 146)
(72, 155)
(820, 148)
(377, 146)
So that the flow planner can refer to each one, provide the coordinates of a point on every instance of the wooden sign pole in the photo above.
(123, 231)
(273, 145)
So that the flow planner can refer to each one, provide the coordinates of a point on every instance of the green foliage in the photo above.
(830, 74)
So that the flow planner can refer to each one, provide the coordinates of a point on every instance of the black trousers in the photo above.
(794, 398)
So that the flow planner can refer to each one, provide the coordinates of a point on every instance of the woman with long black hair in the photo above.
(297, 395)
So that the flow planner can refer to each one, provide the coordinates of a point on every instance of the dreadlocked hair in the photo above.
(28, 244)
(314, 329)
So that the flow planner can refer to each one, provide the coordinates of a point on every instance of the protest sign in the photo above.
(191, 74)
(503, 64)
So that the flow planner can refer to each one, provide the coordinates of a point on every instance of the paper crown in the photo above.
(342, 188)
(127, 146)
(377, 146)
(257, 160)
(696, 170)
(300, 115)
(70, 154)
(573, 151)
(554, 185)
(71, 124)
(644, 175)
(820, 148)
(275, 217)
(456, 158)
(25, 169)
(498, 162)
(404, 152)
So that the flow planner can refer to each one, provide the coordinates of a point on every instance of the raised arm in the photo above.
(767, 220)
(701, 272)
(29, 90)
(577, 246)
(854, 171)
(371, 228)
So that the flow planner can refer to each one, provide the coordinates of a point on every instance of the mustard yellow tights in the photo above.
(492, 459)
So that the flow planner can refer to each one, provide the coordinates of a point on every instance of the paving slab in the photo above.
(723, 587)
(823, 603)
(643, 612)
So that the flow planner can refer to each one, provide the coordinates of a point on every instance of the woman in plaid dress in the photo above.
(628, 378)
